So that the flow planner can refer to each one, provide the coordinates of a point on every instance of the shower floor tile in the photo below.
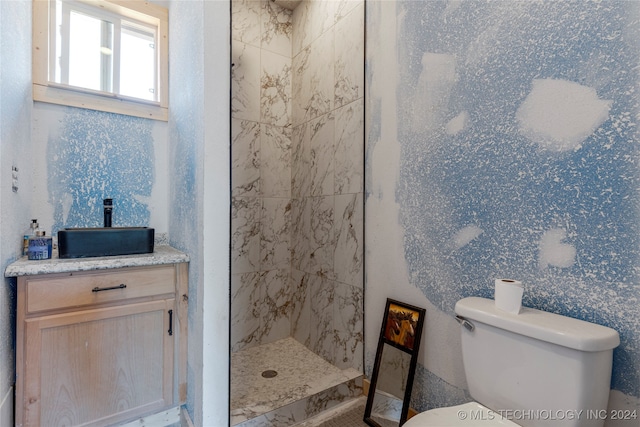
(300, 374)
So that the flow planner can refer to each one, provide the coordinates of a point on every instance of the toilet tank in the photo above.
(536, 368)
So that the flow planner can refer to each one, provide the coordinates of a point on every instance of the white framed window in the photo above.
(107, 55)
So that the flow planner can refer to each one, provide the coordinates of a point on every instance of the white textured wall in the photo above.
(199, 194)
(15, 150)
(387, 270)
(216, 202)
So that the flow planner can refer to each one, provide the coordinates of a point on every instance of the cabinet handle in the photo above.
(170, 331)
(97, 289)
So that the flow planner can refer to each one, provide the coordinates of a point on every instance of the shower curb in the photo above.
(305, 408)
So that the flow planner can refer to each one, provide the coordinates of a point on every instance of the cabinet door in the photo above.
(100, 366)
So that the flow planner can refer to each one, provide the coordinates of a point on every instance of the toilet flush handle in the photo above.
(464, 322)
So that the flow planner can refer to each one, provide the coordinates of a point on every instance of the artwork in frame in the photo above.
(401, 325)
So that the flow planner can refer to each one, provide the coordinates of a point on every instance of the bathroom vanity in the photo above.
(100, 340)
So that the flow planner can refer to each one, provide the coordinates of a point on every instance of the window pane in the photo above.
(89, 63)
(137, 63)
(101, 48)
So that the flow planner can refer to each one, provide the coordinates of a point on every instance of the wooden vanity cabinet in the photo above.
(98, 347)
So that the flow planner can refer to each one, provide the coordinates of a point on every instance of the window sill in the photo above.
(65, 96)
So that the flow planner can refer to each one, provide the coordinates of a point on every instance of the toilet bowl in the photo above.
(467, 414)
(532, 369)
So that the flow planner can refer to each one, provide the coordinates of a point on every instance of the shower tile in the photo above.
(321, 79)
(305, 385)
(348, 226)
(301, 33)
(245, 150)
(348, 322)
(271, 419)
(245, 237)
(245, 82)
(320, 239)
(347, 414)
(245, 310)
(301, 307)
(322, 294)
(275, 306)
(343, 7)
(300, 231)
(296, 186)
(331, 397)
(275, 89)
(300, 86)
(275, 161)
(245, 21)
(308, 407)
(277, 28)
(276, 235)
(300, 161)
(311, 19)
(321, 152)
(313, 80)
(349, 58)
(322, 15)
(349, 148)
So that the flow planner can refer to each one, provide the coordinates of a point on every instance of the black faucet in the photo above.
(108, 208)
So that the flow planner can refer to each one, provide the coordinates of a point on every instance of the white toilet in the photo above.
(529, 369)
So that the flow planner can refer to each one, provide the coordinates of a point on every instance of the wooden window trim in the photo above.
(49, 92)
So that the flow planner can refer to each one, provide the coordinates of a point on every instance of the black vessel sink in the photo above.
(92, 242)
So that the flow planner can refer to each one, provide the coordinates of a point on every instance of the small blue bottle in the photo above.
(31, 232)
(40, 246)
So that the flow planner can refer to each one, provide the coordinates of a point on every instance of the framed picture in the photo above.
(401, 323)
(389, 394)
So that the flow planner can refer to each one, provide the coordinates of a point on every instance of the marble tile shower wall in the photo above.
(298, 123)
(261, 172)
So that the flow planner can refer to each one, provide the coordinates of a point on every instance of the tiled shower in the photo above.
(297, 177)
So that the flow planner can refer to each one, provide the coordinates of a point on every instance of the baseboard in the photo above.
(165, 418)
(365, 390)
(365, 386)
(6, 409)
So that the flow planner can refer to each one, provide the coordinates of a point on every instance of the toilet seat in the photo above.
(467, 414)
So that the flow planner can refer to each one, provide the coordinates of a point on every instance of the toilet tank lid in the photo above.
(549, 327)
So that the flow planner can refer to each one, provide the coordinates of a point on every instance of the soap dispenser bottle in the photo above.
(31, 232)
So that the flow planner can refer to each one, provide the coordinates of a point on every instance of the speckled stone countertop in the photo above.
(162, 254)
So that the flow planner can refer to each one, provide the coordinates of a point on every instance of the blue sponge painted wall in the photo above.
(519, 130)
(98, 155)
